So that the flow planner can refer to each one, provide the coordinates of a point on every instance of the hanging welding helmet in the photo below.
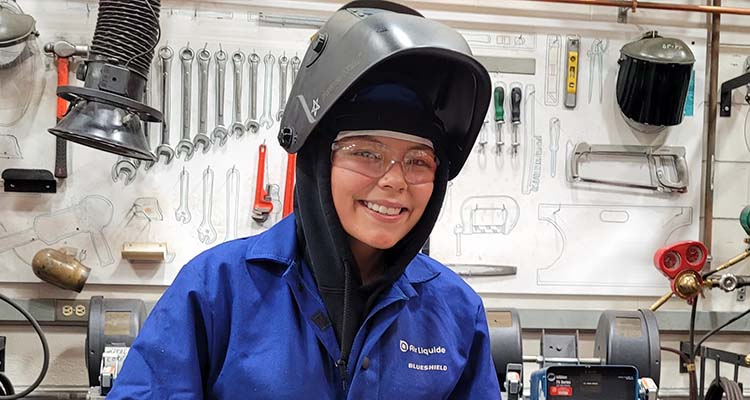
(653, 81)
(19, 62)
(369, 39)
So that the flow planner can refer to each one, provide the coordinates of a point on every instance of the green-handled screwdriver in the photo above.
(499, 117)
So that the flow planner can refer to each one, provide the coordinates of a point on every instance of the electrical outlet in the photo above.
(71, 310)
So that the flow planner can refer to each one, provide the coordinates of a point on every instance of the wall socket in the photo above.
(71, 310)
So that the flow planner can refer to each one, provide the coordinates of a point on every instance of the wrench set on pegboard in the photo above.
(276, 71)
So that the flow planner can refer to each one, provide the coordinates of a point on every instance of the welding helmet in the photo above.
(374, 40)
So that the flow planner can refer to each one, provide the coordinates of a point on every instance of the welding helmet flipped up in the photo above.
(370, 39)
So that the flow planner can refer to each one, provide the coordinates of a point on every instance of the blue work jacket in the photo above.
(244, 320)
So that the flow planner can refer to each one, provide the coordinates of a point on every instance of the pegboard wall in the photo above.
(519, 211)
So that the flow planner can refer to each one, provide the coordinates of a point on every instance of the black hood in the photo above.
(326, 245)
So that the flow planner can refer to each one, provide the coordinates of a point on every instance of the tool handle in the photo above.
(499, 101)
(291, 165)
(261, 204)
(515, 105)
(61, 146)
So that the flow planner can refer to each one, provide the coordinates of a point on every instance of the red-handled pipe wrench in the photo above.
(291, 164)
(262, 206)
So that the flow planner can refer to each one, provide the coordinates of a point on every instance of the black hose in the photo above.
(716, 330)
(127, 33)
(6, 386)
(723, 386)
(693, 388)
(45, 349)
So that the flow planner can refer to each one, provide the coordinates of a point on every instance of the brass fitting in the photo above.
(688, 284)
(60, 269)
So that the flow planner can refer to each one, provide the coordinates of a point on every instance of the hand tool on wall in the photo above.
(283, 68)
(515, 115)
(266, 120)
(554, 144)
(482, 141)
(185, 145)
(262, 205)
(252, 125)
(124, 167)
(220, 133)
(571, 84)
(182, 214)
(238, 127)
(291, 164)
(233, 202)
(60, 269)
(206, 231)
(499, 117)
(667, 165)
(63, 51)
(165, 54)
(201, 138)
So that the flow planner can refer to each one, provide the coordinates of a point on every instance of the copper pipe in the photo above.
(713, 92)
(713, 9)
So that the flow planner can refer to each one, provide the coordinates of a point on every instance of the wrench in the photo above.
(251, 125)
(233, 201)
(296, 62)
(126, 167)
(204, 60)
(220, 133)
(185, 145)
(283, 67)
(206, 231)
(266, 120)
(146, 125)
(164, 149)
(237, 128)
(182, 214)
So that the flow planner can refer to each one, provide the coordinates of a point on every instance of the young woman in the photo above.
(336, 302)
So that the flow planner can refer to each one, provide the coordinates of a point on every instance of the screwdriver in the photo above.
(499, 116)
(515, 115)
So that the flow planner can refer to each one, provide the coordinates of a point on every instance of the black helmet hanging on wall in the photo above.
(366, 38)
(653, 81)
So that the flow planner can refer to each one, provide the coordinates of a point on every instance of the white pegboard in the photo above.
(532, 244)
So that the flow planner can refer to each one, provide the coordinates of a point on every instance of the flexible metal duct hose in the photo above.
(127, 32)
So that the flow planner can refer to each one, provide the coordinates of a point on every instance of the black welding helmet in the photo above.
(367, 39)
(653, 81)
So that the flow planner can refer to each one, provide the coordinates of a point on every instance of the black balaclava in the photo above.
(384, 105)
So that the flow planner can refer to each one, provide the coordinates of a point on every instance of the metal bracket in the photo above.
(661, 161)
(725, 109)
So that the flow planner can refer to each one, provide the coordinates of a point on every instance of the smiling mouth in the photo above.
(381, 209)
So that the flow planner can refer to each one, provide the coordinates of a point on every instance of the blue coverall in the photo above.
(244, 321)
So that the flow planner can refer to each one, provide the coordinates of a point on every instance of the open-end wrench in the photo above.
(251, 125)
(296, 62)
(148, 100)
(125, 167)
(185, 145)
(206, 231)
(238, 127)
(266, 120)
(220, 133)
(201, 138)
(165, 62)
(233, 202)
(182, 214)
(283, 68)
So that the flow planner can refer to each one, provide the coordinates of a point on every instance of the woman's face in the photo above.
(379, 212)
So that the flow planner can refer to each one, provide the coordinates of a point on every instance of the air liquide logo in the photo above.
(406, 347)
